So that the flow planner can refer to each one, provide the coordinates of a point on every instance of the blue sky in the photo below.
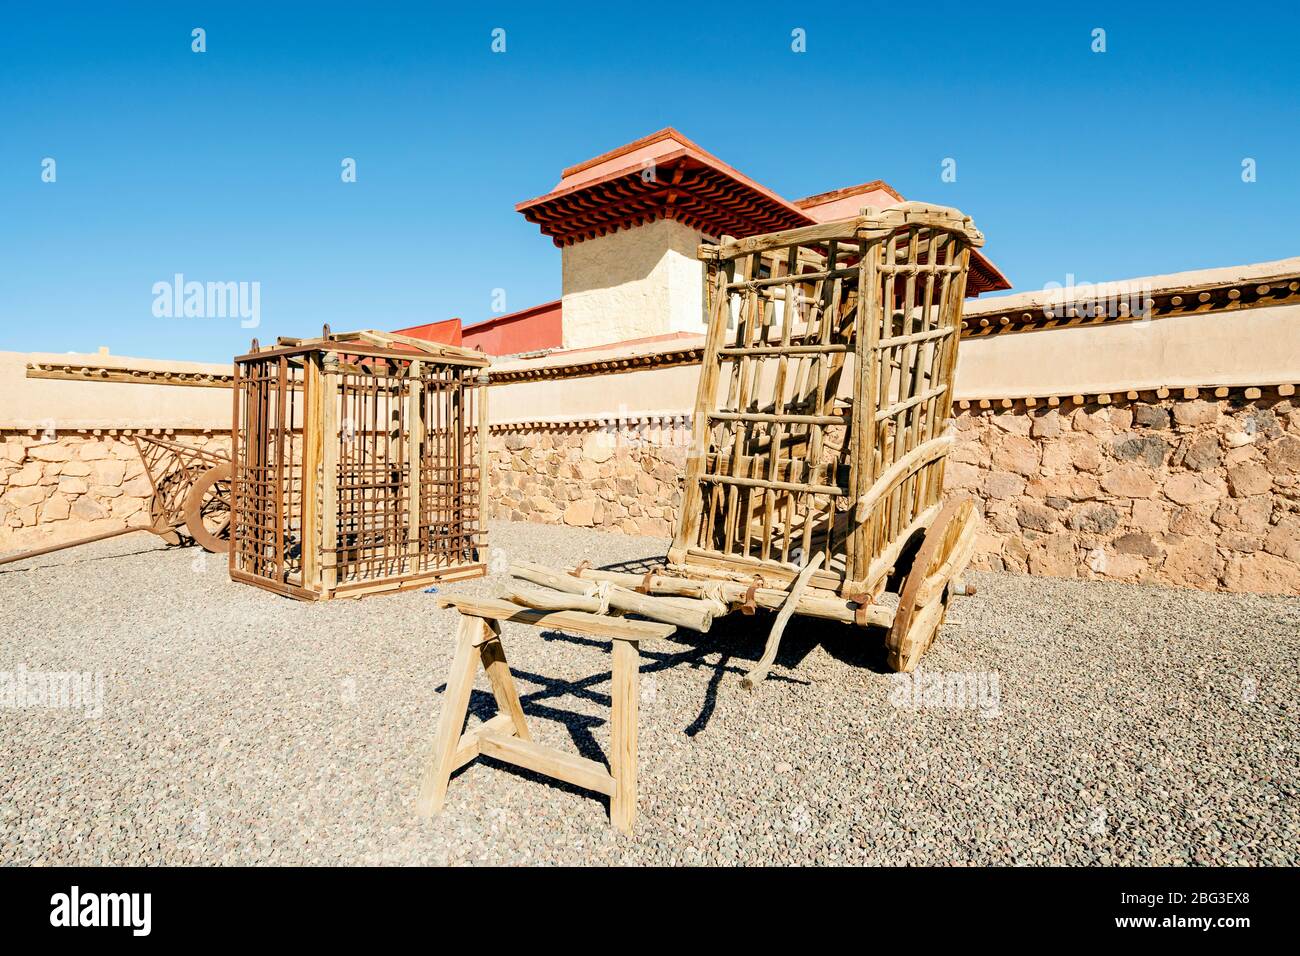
(225, 165)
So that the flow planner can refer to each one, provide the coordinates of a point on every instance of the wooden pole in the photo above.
(470, 632)
(493, 657)
(688, 527)
(756, 676)
(484, 474)
(312, 443)
(414, 457)
(328, 538)
(697, 616)
(734, 592)
(624, 692)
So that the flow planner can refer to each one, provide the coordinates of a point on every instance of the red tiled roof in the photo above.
(821, 199)
(663, 176)
(666, 176)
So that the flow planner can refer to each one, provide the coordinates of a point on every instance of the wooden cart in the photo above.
(815, 476)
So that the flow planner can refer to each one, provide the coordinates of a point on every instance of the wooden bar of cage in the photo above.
(825, 388)
(359, 465)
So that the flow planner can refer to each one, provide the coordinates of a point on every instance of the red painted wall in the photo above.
(529, 330)
(446, 332)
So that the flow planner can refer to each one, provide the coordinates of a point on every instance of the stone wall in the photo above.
(1200, 493)
(624, 478)
(55, 488)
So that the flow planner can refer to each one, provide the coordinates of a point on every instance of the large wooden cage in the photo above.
(359, 465)
(826, 383)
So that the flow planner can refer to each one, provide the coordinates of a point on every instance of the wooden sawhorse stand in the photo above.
(505, 737)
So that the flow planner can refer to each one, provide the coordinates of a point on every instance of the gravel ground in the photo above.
(1130, 725)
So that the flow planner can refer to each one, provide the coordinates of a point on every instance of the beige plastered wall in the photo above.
(1129, 492)
(45, 404)
(1242, 347)
(633, 283)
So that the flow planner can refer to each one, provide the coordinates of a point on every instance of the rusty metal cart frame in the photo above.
(191, 498)
(815, 477)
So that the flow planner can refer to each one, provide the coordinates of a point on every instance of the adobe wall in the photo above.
(1162, 449)
(68, 467)
(98, 402)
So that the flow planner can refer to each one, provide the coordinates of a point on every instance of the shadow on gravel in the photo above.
(855, 646)
(731, 647)
(743, 637)
(483, 706)
(728, 639)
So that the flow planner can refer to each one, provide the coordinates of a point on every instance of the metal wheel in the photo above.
(207, 509)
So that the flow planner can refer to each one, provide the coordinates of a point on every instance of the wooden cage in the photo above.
(359, 465)
(826, 385)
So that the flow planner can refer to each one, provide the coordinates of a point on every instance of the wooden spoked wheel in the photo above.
(207, 509)
(923, 602)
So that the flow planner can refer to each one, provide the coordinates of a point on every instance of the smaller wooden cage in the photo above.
(359, 465)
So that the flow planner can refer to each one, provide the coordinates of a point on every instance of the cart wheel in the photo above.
(207, 509)
(923, 603)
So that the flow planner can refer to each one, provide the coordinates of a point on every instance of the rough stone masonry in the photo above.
(1202, 493)
(71, 486)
